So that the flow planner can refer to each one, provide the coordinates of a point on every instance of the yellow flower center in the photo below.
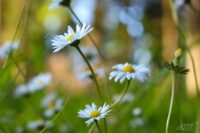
(70, 37)
(128, 68)
(94, 113)
(51, 106)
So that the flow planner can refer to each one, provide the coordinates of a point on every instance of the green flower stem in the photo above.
(174, 13)
(57, 115)
(92, 71)
(171, 101)
(91, 128)
(122, 97)
(98, 127)
(105, 125)
(92, 40)
(186, 47)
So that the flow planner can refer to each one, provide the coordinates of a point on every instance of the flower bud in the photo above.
(178, 53)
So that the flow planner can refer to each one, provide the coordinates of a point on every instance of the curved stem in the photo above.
(195, 73)
(171, 101)
(193, 65)
(98, 127)
(123, 95)
(186, 47)
(92, 71)
(57, 115)
(92, 40)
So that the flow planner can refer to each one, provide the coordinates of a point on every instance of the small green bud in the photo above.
(178, 53)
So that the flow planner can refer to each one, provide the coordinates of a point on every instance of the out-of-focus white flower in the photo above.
(112, 10)
(137, 122)
(53, 107)
(38, 124)
(137, 112)
(135, 28)
(40, 81)
(48, 99)
(21, 90)
(51, 104)
(132, 16)
(55, 4)
(129, 71)
(84, 9)
(178, 3)
(7, 47)
(127, 98)
(35, 84)
(52, 23)
(141, 53)
(94, 113)
(131, 13)
(60, 41)
(142, 56)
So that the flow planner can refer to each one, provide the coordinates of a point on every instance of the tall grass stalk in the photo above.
(57, 115)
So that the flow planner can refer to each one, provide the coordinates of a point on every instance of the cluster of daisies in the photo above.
(35, 84)
(51, 104)
(120, 73)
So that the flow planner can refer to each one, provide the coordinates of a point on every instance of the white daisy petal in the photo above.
(88, 122)
(70, 30)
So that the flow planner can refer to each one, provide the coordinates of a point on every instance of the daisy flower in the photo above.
(55, 4)
(40, 81)
(7, 47)
(21, 90)
(38, 124)
(94, 113)
(137, 112)
(33, 85)
(70, 37)
(51, 104)
(129, 71)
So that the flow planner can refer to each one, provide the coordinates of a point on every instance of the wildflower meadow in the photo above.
(99, 66)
